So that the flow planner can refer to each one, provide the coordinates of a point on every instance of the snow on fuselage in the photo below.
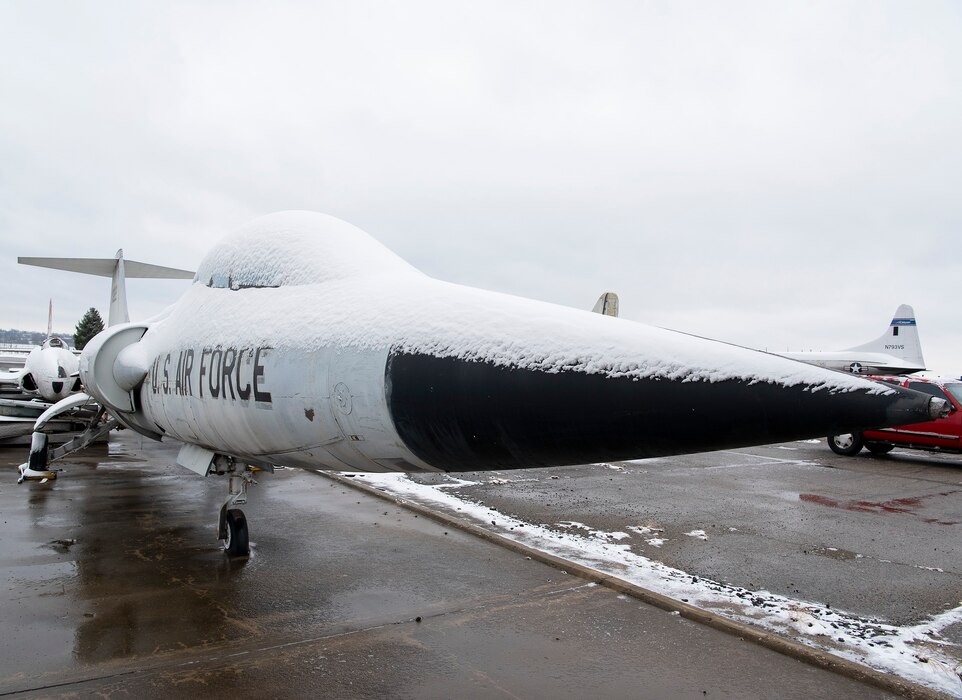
(305, 342)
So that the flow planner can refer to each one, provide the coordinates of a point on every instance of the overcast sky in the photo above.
(776, 175)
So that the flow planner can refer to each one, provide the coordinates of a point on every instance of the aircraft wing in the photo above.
(14, 408)
(10, 377)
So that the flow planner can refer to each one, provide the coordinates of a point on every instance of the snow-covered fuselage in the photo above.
(304, 342)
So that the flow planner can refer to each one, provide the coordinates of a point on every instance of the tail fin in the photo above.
(607, 304)
(116, 268)
(50, 320)
(901, 339)
(118, 293)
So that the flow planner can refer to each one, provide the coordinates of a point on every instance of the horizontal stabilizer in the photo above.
(117, 268)
(104, 267)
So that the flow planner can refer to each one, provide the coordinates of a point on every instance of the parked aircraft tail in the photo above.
(116, 268)
(607, 304)
(901, 339)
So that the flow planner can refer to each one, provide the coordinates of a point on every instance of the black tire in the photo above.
(879, 448)
(237, 543)
(846, 444)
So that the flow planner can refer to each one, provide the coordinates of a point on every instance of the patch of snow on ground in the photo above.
(454, 483)
(914, 652)
(599, 534)
(496, 480)
(699, 534)
(645, 529)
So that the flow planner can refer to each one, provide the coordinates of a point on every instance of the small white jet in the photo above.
(304, 342)
(49, 370)
(896, 351)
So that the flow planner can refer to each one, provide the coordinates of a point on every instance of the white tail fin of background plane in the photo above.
(901, 339)
(116, 268)
(607, 304)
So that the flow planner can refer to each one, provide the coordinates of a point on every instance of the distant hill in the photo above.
(12, 336)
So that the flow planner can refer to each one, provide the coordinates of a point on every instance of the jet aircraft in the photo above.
(304, 342)
(49, 370)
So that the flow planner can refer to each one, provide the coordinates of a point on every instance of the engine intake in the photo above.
(112, 368)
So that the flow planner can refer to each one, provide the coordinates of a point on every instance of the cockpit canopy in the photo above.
(294, 248)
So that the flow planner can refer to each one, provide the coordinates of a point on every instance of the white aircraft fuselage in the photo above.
(860, 363)
(50, 371)
(304, 342)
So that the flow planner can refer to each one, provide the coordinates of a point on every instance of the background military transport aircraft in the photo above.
(896, 351)
(304, 342)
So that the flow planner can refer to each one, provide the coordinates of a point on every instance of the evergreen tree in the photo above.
(90, 325)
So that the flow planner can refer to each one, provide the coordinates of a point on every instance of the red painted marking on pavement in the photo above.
(907, 505)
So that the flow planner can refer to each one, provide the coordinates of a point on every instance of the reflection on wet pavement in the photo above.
(114, 582)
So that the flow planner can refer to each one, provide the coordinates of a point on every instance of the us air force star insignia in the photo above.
(855, 368)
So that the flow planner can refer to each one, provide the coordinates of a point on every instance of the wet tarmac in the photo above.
(878, 536)
(115, 586)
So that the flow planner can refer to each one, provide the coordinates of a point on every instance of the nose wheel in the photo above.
(237, 541)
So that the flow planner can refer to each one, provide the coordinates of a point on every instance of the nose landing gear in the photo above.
(232, 524)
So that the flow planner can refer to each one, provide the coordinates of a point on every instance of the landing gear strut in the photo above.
(232, 525)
